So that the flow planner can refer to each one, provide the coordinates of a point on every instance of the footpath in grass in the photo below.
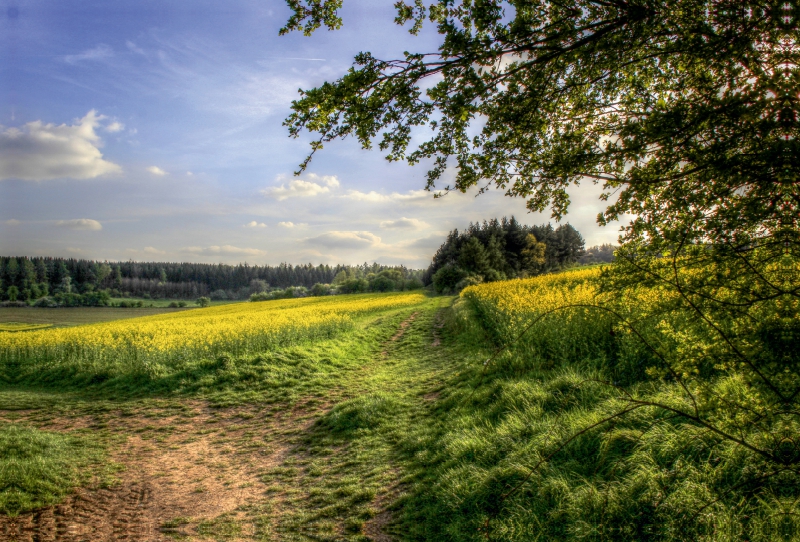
(304, 442)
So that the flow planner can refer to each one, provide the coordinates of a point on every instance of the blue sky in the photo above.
(131, 130)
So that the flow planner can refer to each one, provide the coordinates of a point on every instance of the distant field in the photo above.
(73, 316)
(22, 326)
(164, 303)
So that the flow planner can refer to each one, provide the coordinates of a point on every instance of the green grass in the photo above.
(452, 449)
(39, 468)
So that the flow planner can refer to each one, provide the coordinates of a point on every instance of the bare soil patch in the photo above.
(181, 474)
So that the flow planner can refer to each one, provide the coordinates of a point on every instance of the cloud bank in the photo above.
(80, 224)
(41, 152)
(312, 185)
(345, 240)
(404, 224)
(225, 250)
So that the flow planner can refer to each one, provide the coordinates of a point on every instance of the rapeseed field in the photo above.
(148, 344)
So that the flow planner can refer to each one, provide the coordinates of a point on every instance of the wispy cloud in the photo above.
(99, 52)
(132, 47)
(155, 170)
(254, 224)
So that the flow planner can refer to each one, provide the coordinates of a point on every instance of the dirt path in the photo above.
(192, 473)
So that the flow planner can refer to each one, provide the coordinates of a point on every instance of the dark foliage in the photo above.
(497, 249)
(33, 278)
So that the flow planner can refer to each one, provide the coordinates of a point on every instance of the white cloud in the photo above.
(155, 170)
(12, 222)
(115, 127)
(80, 224)
(152, 250)
(376, 197)
(312, 185)
(255, 224)
(225, 249)
(286, 224)
(189, 174)
(404, 224)
(40, 152)
(346, 239)
(96, 53)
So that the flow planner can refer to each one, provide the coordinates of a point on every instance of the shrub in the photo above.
(320, 289)
(414, 284)
(202, 301)
(382, 284)
(45, 302)
(446, 278)
(219, 295)
(468, 281)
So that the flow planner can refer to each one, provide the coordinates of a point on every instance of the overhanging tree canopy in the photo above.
(685, 110)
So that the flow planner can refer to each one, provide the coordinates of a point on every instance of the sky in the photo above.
(149, 130)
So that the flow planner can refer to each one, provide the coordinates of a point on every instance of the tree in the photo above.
(203, 301)
(676, 106)
(686, 112)
(473, 257)
(12, 293)
(533, 255)
(446, 278)
(101, 272)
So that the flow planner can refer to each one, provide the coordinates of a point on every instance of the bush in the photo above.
(320, 289)
(353, 286)
(203, 301)
(446, 278)
(219, 295)
(382, 284)
(414, 284)
(45, 302)
(468, 281)
(13, 304)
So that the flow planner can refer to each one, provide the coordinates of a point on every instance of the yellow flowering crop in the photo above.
(237, 328)
(511, 305)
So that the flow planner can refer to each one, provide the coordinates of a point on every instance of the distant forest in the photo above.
(484, 252)
(504, 249)
(26, 279)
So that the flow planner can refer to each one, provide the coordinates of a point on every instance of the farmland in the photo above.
(519, 410)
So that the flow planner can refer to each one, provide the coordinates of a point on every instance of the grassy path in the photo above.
(312, 452)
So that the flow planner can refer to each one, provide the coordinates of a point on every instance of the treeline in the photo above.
(69, 281)
(504, 249)
(350, 281)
